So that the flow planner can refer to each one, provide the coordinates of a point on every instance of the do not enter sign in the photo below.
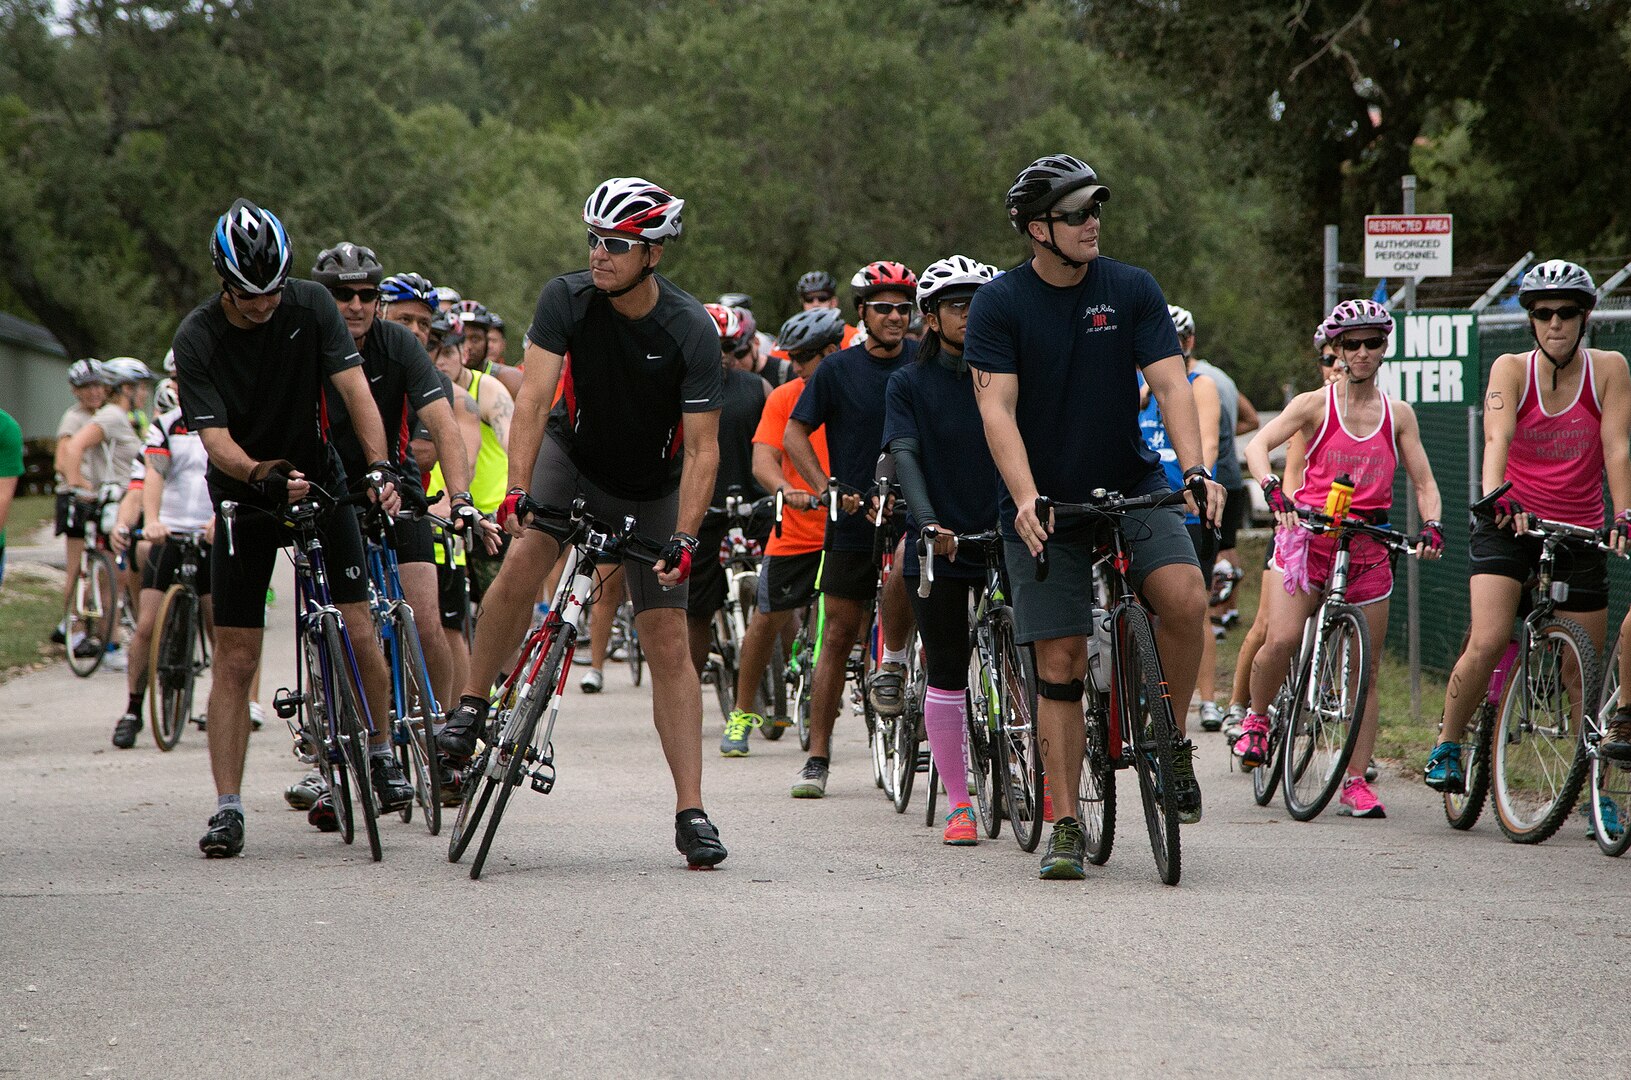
(1407, 245)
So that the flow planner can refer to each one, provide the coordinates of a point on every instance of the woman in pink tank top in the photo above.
(1557, 422)
(1354, 431)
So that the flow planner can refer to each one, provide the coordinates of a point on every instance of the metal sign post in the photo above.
(1412, 519)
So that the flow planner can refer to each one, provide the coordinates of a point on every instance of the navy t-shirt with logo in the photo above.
(846, 395)
(1077, 351)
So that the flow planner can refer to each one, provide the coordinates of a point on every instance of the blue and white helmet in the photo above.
(959, 274)
(250, 250)
(399, 288)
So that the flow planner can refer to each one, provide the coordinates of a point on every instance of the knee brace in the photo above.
(1054, 691)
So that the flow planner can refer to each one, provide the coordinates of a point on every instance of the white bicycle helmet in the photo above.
(170, 363)
(630, 204)
(166, 397)
(1557, 277)
(86, 372)
(959, 273)
(1357, 315)
(126, 369)
(1182, 320)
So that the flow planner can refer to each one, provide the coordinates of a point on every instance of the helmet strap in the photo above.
(645, 272)
(1559, 365)
(1060, 255)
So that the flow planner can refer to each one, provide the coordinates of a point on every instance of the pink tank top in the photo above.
(1369, 462)
(1555, 462)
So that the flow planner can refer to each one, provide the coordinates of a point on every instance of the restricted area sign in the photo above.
(1407, 245)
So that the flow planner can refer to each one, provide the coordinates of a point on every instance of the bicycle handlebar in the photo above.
(926, 538)
(1105, 503)
(1318, 522)
(1541, 528)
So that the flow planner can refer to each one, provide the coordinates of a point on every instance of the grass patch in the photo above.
(29, 607)
(1401, 740)
(27, 514)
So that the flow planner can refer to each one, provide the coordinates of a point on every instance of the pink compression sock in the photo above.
(944, 717)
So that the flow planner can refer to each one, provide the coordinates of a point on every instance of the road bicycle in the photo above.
(180, 650)
(97, 608)
(989, 620)
(1127, 711)
(415, 711)
(740, 557)
(518, 736)
(626, 636)
(1315, 717)
(327, 711)
(1542, 738)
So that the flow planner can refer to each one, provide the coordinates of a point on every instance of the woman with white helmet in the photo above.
(1357, 434)
(932, 427)
(1556, 421)
(90, 391)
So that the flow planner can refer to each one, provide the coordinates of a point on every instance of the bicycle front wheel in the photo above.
(422, 765)
(352, 730)
(1462, 810)
(978, 746)
(1096, 793)
(515, 745)
(1146, 713)
(1266, 777)
(907, 755)
(1539, 759)
(471, 805)
(1018, 754)
(92, 614)
(1326, 714)
(170, 665)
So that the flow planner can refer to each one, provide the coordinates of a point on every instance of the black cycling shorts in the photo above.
(788, 582)
(707, 580)
(848, 575)
(1206, 546)
(1499, 551)
(72, 514)
(415, 542)
(1234, 515)
(239, 580)
(163, 568)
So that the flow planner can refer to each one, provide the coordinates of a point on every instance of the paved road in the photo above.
(839, 939)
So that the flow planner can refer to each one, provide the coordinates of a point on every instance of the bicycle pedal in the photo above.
(287, 704)
(543, 779)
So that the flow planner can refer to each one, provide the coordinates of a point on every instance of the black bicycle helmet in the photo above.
(347, 264)
(250, 249)
(810, 331)
(1044, 182)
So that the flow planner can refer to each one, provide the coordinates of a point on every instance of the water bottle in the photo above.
(1339, 498)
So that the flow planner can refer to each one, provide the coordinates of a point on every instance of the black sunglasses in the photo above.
(345, 294)
(241, 296)
(884, 307)
(1327, 360)
(819, 298)
(614, 245)
(1077, 217)
(1374, 344)
(1568, 313)
(802, 358)
(741, 353)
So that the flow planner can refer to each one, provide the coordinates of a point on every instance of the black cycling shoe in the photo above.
(1186, 790)
(322, 816)
(698, 840)
(225, 837)
(124, 731)
(391, 788)
(458, 739)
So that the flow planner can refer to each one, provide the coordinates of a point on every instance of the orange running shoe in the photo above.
(960, 829)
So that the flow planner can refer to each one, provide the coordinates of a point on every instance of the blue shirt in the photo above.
(935, 405)
(846, 395)
(1155, 435)
(1077, 352)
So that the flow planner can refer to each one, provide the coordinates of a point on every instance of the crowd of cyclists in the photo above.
(963, 399)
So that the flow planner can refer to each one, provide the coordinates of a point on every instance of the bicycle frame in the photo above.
(385, 598)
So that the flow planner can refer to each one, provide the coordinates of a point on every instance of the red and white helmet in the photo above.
(731, 331)
(883, 276)
(628, 204)
(1357, 315)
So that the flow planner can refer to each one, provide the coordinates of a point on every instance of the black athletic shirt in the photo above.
(265, 384)
(846, 394)
(1077, 351)
(401, 378)
(743, 402)
(627, 382)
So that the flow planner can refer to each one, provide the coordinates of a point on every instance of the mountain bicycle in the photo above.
(180, 649)
(517, 738)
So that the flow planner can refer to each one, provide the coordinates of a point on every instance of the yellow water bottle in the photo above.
(1339, 498)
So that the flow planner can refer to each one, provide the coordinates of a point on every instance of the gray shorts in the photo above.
(556, 481)
(1062, 606)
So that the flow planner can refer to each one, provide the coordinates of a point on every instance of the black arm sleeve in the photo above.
(909, 475)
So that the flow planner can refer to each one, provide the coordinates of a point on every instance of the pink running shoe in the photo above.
(960, 829)
(1358, 800)
(1252, 748)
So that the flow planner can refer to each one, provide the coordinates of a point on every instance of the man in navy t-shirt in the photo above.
(846, 396)
(1057, 344)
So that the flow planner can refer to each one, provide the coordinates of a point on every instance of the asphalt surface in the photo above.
(839, 939)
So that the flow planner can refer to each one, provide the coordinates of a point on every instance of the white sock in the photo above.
(229, 802)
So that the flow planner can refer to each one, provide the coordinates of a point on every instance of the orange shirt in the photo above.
(802, 530)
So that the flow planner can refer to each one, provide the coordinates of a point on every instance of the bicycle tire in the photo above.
(1018, 749)
(95, 619)
(1153, 733)
(1610, 783)
(798, 681)
(353, 732)
(726, 666)
(774, 688)
(1322, 738)
(1524, 767)
(978, 741)
(931, 797)
(637, 655)
(1266, 777)
(170, 668)
(1462, 811)
(908, 735)
(528, 713)
(314, 733)
(1096, 791)
(422, 718)
(471, 807)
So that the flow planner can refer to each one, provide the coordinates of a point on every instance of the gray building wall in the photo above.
(33, 381)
